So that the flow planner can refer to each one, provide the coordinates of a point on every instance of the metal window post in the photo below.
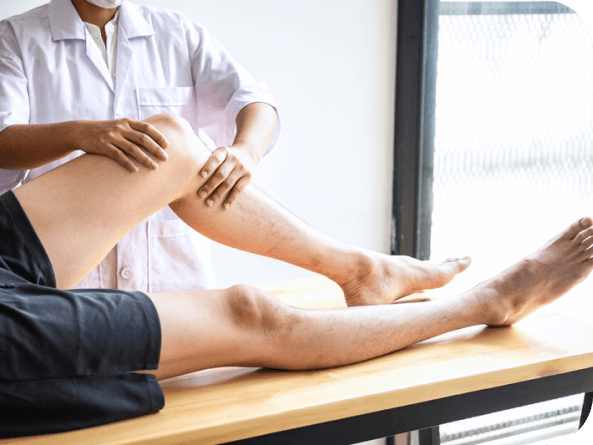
(417, 47)
(415, 102)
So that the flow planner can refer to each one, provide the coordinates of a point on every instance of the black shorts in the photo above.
(66, 356)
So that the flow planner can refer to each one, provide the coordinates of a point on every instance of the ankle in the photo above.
(485, 306)
(356, 265)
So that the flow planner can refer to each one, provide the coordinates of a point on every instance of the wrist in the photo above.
(250, 150)
(74, 134)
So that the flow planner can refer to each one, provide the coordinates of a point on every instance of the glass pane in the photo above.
(513, 161)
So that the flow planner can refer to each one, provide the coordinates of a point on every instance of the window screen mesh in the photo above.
(513, 161)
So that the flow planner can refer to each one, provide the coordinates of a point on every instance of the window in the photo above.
(513, 148)
(493, 153)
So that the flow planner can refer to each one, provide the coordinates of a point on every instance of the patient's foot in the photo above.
(382, 279)
(538, 279)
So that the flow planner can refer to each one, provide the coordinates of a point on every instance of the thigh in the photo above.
(81, 209)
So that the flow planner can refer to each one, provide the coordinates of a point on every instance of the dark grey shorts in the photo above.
(66, 356)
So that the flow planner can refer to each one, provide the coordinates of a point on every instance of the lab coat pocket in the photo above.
(179, 258)
(176, 100)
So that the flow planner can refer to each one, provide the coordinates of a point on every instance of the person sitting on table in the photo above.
(77, 358)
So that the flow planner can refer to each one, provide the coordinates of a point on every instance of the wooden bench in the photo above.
(464, 373)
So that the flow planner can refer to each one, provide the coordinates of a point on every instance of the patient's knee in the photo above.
(168, 122)
(255, 310)
(183, 142)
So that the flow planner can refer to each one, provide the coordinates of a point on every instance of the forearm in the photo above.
(33, 145)
(256, 124)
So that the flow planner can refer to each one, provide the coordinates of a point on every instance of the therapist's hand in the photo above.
(228, 169)
(122, 139)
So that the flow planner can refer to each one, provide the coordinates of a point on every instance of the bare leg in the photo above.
(83, 208)
(257, 224)
(243, 326)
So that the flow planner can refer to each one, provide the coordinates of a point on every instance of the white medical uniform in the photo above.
(52, 71)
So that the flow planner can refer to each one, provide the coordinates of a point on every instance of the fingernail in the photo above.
(165, 156)
(204, 174)
(227, 206)
(155, 165)
(210, 202)
(203, 194)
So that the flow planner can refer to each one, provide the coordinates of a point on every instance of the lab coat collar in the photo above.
(65, 22)
(133, 22)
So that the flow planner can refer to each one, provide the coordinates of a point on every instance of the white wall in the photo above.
(331, 67)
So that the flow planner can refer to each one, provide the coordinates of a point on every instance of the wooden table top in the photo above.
(226, 404)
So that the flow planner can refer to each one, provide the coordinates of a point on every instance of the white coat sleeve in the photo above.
(14, 96)
(223, 87)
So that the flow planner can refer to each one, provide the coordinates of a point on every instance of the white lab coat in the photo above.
(52, 71)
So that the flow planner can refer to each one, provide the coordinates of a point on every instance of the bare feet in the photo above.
(382, 279)
(538, 279)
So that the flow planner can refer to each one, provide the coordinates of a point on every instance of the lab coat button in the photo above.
(127, 273)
